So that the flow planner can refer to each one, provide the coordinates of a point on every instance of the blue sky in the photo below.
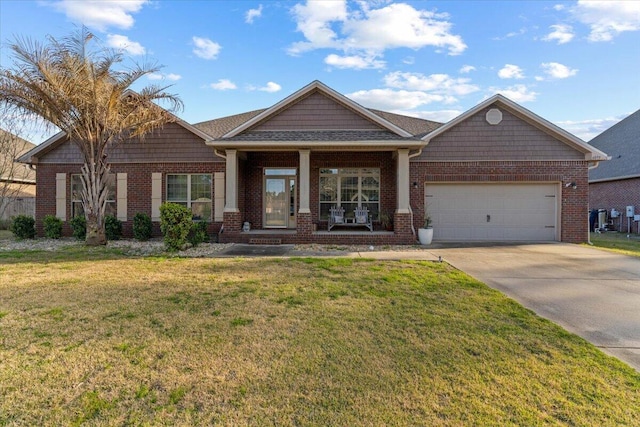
(575, 63)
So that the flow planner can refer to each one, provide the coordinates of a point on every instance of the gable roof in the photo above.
(590, 153)
(622, 142)
(317, 86)
(57, 139)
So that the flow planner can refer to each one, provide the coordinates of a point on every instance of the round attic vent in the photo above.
(494, 116)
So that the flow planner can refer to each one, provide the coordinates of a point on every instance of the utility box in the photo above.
(630, 211)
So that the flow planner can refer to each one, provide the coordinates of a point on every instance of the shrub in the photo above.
(5, 224)
(52, 226)
(198, 233)
(112, 227)
(142, 228)
(175, 224)
(79, 226)
(23, 227)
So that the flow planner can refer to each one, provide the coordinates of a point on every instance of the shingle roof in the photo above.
(622, 143)
(219, 127)
(319, 135)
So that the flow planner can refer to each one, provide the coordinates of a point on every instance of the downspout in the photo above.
(219, 154)
(591, 165)
(411, 156)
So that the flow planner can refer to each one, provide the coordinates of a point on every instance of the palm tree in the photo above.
(79, 90)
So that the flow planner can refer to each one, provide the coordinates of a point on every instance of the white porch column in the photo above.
(231, 187)
(305, 166)
(403, 181)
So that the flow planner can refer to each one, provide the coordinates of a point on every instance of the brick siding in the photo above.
(574, 206)
(617, 194)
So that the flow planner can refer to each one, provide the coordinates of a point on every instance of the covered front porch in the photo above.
(284, 196)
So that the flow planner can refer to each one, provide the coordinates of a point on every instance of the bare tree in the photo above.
(77, 88)
(15, 178)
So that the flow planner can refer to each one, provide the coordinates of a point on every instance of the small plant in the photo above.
(52, 227)
(198, 233)
(79, 227)
(142, 228)
(112, 227)
(386, 220)
(175, 224)
(23, 227)
(427, 221)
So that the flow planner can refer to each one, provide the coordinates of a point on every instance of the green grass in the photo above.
(109, 340)
(618, 242)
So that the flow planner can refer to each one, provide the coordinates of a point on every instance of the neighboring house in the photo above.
(17, 181)
(497, 172)
(616, 184)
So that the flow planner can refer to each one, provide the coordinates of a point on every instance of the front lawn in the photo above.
(624, 243)
(110, 340)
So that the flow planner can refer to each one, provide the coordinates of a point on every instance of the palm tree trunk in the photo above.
(94, 198)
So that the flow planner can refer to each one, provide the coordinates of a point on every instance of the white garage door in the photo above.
(493, 212)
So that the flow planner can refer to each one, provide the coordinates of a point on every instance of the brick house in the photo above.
(616, 184)
(498, 172)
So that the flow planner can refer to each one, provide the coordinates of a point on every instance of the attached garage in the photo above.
(494, 212)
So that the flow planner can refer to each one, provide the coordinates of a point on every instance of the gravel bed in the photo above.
(156, 247)
(129, 247)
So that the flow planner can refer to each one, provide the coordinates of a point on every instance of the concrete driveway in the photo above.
(592, 293)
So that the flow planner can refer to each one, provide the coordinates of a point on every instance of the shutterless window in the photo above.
(350, 188)
(76, 195)
(192, 191)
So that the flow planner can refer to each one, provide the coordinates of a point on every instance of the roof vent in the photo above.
(494, 116)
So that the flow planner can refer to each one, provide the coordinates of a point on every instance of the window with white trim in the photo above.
(350, 188)
(76, 195)
(192, 191)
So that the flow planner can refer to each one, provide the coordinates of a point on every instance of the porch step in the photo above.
(264, 241)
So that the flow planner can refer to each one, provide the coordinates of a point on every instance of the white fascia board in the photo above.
(28, 156)
(328, 91)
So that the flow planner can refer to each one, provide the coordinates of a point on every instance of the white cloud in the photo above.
(253, 14)
(331, 25)
(409, 60)
(205, 48)
(159, 76)
(101, 14)
(467, 69)
(391, 99)
(122, 42)
(510, 71)
(561, 33)
(223, 84)
(355, 62)
(270, 87)
(589, 129)
(555, 70)
(441, 84)
(517, 93)
(607, 18)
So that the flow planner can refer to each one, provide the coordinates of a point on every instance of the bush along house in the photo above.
(319, 168)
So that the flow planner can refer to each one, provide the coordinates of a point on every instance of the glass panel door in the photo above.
(276, 202)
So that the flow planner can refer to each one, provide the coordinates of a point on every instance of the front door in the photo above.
(279, 200)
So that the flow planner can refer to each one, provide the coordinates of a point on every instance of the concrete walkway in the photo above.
(592, 293)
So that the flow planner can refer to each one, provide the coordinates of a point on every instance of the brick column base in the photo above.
(402, 228)
(232, 222)
(304, 226)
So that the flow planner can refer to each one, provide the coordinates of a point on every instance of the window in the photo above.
(76, 195)
(192, 191)
(350, 188)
